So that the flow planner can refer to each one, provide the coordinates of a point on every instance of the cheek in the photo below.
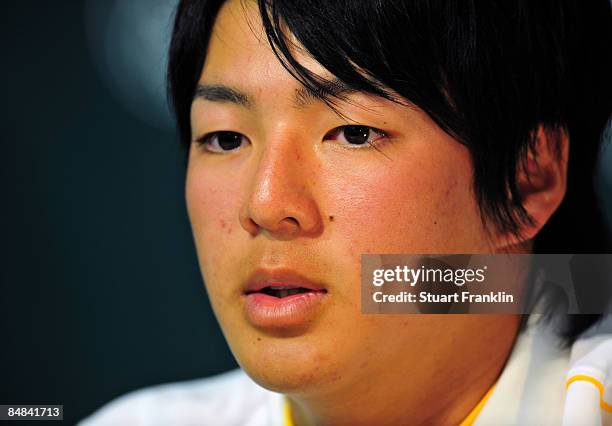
(212, 206)
(420, 203)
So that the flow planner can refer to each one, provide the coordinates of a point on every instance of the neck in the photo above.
(443, 389)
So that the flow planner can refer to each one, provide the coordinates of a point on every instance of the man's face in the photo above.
(293, 198)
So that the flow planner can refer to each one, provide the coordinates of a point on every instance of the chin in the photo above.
(288, 366)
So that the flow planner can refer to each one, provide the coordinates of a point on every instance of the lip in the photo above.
(265, 311)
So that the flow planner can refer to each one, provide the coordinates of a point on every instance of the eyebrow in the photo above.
(334, 87)
(302, 97)
(221, 93)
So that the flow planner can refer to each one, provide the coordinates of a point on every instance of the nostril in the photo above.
(249, 225)
(293, 220)
(288, 225)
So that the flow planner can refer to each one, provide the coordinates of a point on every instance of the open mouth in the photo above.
(284, 291)
(282, 299)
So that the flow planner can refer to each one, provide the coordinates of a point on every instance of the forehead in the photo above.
(240, 57)
(239, 52)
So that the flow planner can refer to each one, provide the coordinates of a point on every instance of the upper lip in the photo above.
(262, 278)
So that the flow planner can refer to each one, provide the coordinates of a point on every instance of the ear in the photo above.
(542, 182)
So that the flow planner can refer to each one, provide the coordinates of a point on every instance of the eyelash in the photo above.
(331, 135)
(209, 138)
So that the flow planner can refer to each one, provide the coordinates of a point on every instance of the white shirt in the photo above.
(230, 398)
(530, 391)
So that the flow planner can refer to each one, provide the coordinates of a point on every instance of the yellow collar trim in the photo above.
(287, 413)
(477, 409)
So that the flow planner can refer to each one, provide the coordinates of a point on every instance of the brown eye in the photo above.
(355, 135)
(223, 141)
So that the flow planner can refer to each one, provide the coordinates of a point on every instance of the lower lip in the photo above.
(269, 312)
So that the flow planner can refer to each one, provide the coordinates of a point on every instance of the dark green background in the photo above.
(100, 291)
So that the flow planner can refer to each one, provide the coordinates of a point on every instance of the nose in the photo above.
(281, 199)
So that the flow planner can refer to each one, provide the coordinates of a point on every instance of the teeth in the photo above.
(283, 291)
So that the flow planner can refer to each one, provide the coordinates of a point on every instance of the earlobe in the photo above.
(542, 181)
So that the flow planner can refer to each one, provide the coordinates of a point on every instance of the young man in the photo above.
(321, 131)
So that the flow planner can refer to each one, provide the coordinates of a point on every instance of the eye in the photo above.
(355, 135)
(223, 141)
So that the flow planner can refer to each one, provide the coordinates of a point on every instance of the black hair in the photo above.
(489, 73)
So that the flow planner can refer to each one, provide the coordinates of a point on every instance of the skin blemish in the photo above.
(331, 218)
(335, 376)
(225, 226)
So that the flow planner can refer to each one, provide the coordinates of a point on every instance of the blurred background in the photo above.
(100, 291)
